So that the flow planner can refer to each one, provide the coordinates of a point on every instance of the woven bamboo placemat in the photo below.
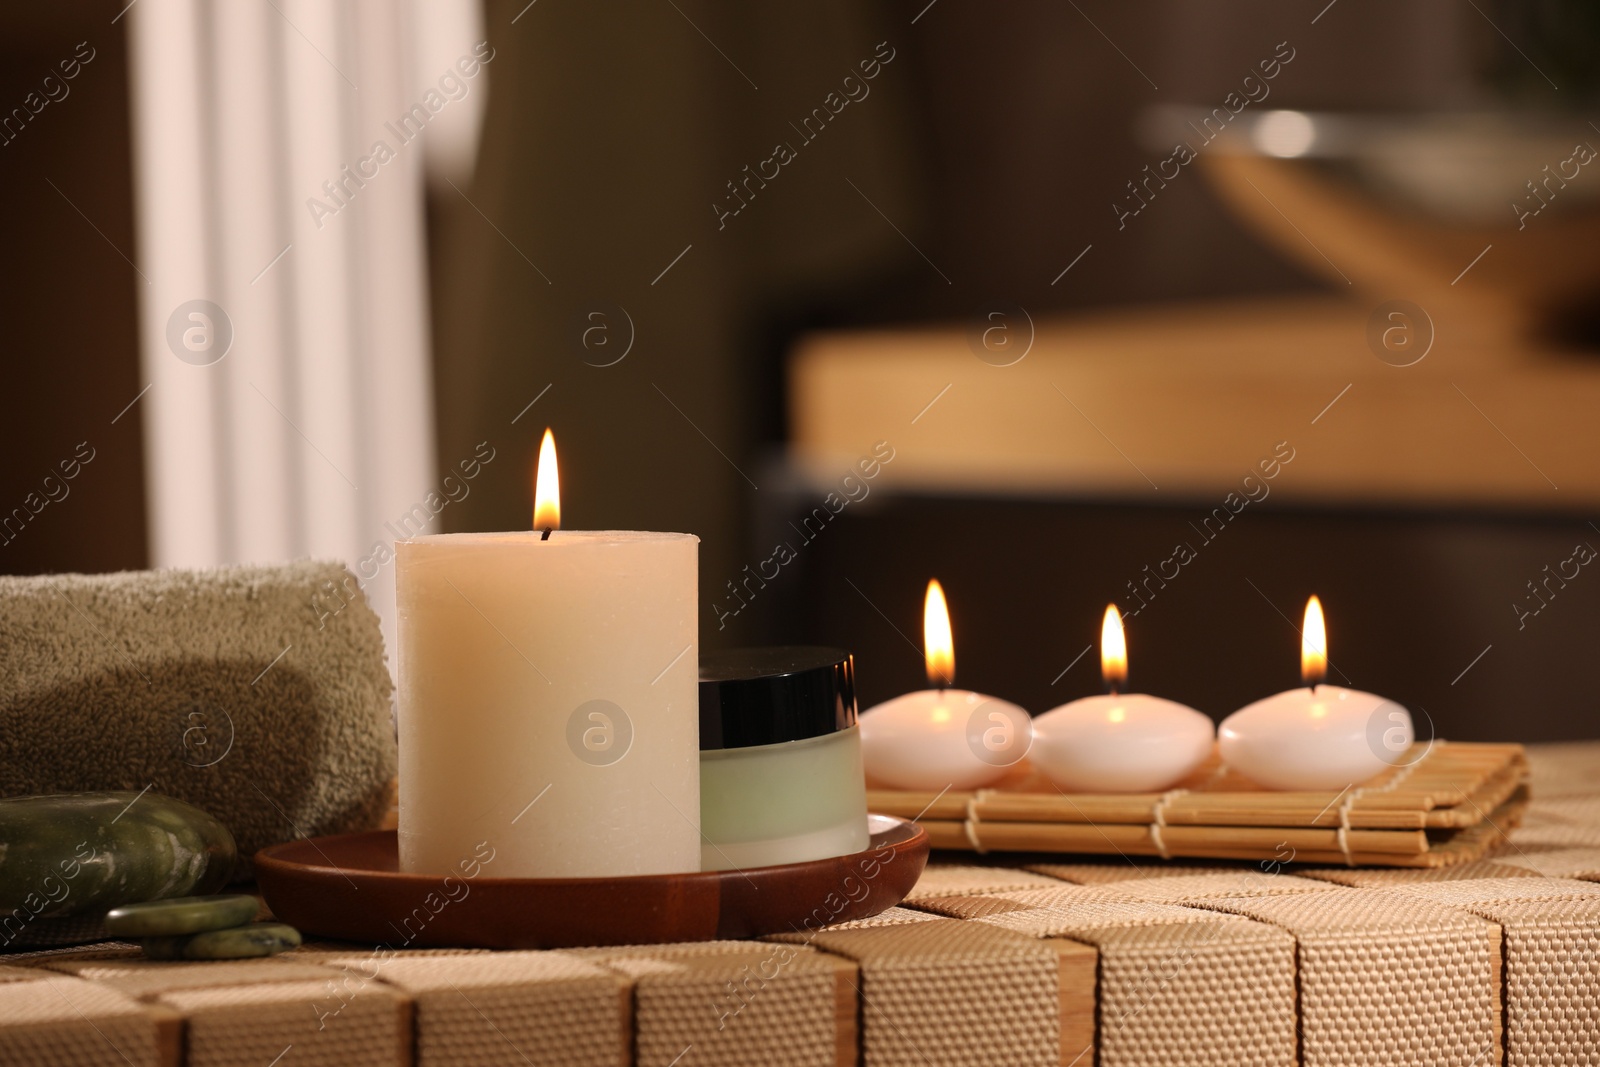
(1442, 805)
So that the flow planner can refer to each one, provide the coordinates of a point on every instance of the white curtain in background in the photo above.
(279, 200)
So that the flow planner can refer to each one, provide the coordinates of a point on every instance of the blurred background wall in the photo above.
(990, 143)
(70, 294)
(610, 268)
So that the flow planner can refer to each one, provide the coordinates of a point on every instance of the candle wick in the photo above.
(546, 536)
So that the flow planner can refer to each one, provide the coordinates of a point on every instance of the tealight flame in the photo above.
(1113, 650)
(547, 488)
(938, 646)
(1314, 645)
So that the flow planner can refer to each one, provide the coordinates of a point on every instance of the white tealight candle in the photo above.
(941, 738)
(1121, 742)
(548, 699)
(1319, 736)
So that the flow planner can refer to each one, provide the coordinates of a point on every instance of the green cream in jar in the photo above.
(780, 758)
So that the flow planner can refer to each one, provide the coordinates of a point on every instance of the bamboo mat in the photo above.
(1444, 804)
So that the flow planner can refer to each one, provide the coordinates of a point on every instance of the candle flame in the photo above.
(1314, 645)
(547, 487)
(938, 645)
(1113, 650)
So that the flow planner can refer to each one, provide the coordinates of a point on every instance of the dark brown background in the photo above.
(996, 142)
(68, 298)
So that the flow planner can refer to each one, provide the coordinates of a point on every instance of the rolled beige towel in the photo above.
(256, 693)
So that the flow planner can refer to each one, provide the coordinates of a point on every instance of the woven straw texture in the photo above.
(1560, 834)
(953, 993)
(1195, 994)
(139, 977)
(1377, 877)
(1552, 962)
(1571, 810)
(1065, 911)
(342, 953)
(896, 916)
(679, 950)
(960, 879)
(289, 1022)
(1387, 977)
(10, 973)
(1177, 985)
(1106, 964)
(1102, 873)
(513, 1008)
(1554, 861)
(743, 1003)
(1191, 887)
(64, 1022)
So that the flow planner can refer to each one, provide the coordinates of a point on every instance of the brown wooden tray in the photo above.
(1447, 803)
(350, 887)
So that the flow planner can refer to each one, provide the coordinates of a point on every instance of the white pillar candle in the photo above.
(548, 700)
(1120, 742)
(1319, 736)
(942, 738)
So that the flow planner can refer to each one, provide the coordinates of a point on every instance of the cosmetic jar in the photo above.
(780, 758)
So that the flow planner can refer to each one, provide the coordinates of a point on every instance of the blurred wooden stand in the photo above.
(1190, 398)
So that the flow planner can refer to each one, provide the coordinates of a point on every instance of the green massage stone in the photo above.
(237, 943)
(180, 915)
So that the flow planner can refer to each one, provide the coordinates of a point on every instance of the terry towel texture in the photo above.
(257, 693)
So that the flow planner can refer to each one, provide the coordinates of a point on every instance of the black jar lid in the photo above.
(761, 696)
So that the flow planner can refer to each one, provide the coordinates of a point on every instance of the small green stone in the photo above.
(180, 915)
(238, 943)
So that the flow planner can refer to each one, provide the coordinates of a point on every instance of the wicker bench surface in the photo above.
(1116, 963)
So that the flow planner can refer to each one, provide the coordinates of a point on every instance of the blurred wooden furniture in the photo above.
(1443, 507)
(1159, 403)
